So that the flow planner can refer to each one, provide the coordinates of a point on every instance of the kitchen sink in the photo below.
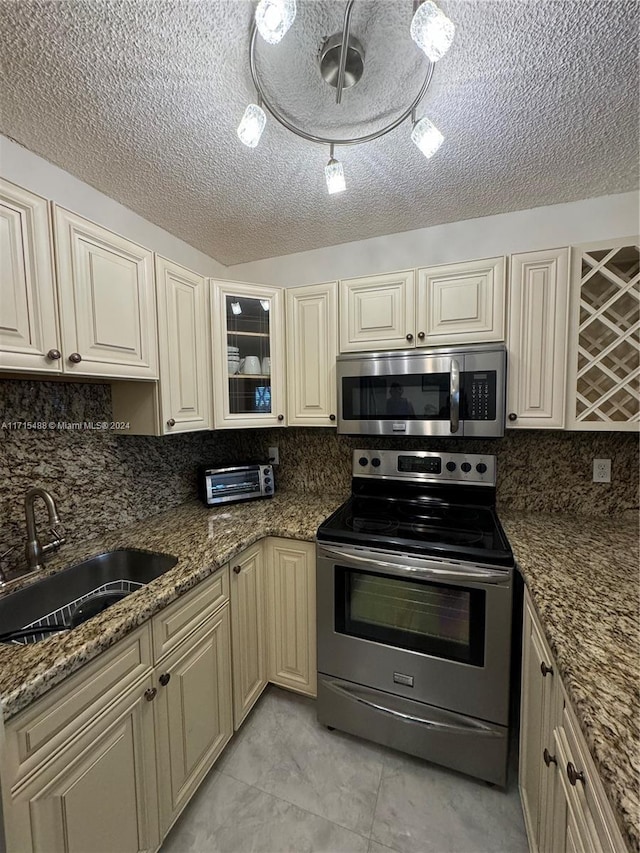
(72, 596)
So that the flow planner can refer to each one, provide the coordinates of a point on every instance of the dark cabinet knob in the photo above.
(548, 758)
(237, 569)
(421, 336)
(165, 678)
(150, 694)
(171, 422)
(545, 670)
(54, 354)
(574, 775)
(513, 416)
(332, 417)
(75, 357)
(280, 417)
(409, 337)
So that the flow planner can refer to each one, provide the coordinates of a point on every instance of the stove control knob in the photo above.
(363, 460)
(375, 462)
(481, 468)
(451, 466)
(465, 467)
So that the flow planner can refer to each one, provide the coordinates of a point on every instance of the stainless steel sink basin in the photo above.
(65, 599)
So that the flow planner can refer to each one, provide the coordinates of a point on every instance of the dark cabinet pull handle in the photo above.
(545, 670)
(280, 417)
(548, 758)
(165, 678)
(574, 776)
(513, 416)
(75, 357)
(332, 417)
(421, 335)
(409, 337)
(150, 694)
(171, 422)
(237, 569)
(53, 354)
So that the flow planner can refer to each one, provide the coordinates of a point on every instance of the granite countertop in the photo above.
(582, 574)
(202, 539)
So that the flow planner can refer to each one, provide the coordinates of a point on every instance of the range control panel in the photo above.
(424, 466)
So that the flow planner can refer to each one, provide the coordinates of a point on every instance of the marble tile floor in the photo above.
(285, 784)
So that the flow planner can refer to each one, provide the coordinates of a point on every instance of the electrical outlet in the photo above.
(601, 470)
(274, 456)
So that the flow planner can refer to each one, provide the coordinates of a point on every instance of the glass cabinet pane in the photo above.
(248, 354)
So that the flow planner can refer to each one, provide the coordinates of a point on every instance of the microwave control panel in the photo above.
(480, 396)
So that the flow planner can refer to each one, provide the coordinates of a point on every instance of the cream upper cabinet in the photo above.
(461, 303)
(107, 301)
(291, 609)
(248, 635)
(312, 347)
(193, 712)
(248, 355)
(377, 312)
(537, 339)
(29, 336)
(603, 390)
(185, 372)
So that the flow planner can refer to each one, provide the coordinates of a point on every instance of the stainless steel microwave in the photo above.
(237, 483)
(457, 392)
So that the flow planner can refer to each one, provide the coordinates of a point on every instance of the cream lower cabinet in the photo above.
(29, 334)
(537, 339)
(291, 609)
(564, 804)
(312, 347)
(248, 634)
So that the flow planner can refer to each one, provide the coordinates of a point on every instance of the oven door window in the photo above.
(410, 397)
(437, 619)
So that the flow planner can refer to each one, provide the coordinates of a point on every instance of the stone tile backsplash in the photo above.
(103, 481)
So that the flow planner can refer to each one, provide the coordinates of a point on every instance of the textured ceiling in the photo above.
(537, 100)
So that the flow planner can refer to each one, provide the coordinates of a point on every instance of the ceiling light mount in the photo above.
(330, 61)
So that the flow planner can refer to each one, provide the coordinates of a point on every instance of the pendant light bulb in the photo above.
(273, 18)
(427, 137)
(251, 125)
(432, 31)
(334, 175)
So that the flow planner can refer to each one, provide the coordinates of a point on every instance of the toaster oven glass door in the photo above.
(232, 485)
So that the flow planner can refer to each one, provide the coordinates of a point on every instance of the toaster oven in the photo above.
(235, 483)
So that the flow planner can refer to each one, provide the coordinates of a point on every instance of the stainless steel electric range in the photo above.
(414, 601)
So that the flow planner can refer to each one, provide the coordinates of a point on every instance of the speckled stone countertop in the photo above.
(582, 574)
(202, 539)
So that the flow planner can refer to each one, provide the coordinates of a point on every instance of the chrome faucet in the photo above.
(34, 550)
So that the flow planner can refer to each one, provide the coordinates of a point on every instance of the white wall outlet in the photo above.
(601, 470)
(274, 456)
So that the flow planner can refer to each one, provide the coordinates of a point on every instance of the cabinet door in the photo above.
(185, 375)
(291, 614)
(536, 728)
(193, 713)
(537, 339)
(29, 338)
(377, 312)
(248, 641)
(107, 301)
(312, 347)
(249, 355)
(461, 303)
(98, 794)
(603, 391)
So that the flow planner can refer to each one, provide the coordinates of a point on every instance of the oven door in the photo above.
(433, 631)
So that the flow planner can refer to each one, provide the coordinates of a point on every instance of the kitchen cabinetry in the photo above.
(107, 301)
(248, 322)
(248, 635)
(291, 608)
(312, 347)
(603, 391)
(537, 339)
(377, 312)
(29, 334)
(564, 804)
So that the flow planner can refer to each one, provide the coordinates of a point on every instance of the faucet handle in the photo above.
(7, 552)
(58, 532)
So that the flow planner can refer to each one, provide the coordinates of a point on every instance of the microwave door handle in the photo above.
(454, 396)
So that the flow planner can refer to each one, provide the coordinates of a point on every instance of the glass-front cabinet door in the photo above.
(248, 344)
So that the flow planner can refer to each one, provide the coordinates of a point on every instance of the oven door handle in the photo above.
(468, 727)
(454, 396)
(428, 572)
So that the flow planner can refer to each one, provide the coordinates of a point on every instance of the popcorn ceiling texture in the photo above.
(537, 102)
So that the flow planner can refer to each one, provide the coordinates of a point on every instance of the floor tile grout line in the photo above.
(375, 808)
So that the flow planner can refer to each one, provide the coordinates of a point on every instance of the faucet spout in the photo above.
(34, 549)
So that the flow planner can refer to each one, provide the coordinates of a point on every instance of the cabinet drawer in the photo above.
(182, 617)
(39, 731)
